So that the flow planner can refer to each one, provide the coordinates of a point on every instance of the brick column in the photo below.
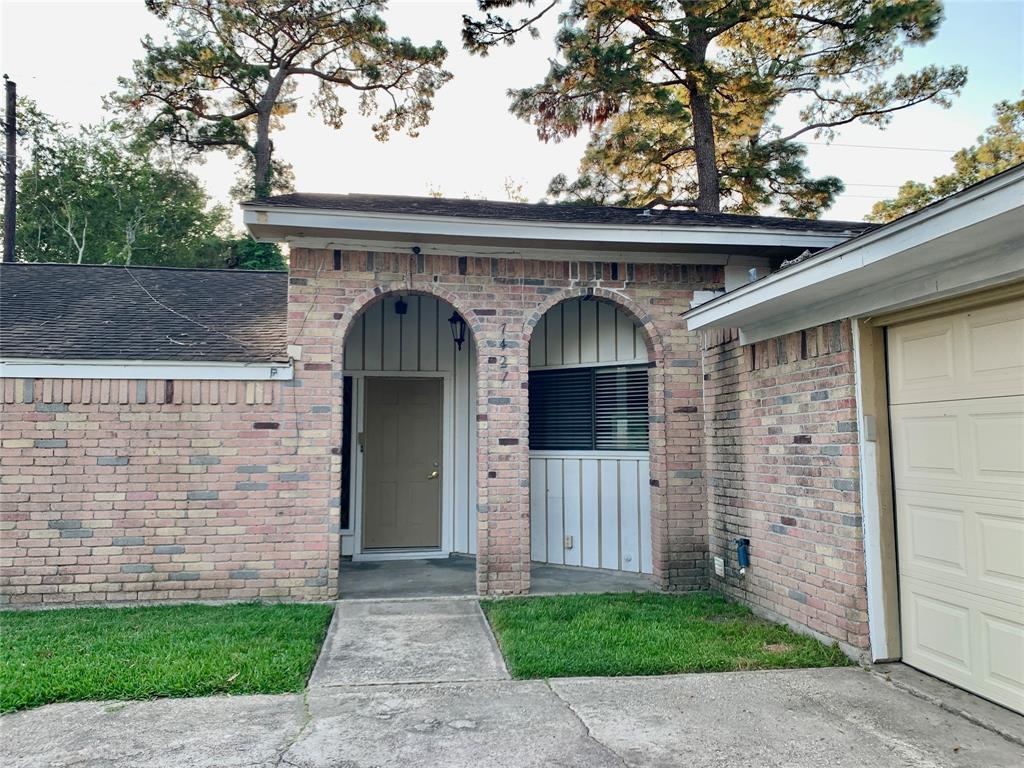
(503, 461)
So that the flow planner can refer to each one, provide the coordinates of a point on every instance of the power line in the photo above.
(877, 146)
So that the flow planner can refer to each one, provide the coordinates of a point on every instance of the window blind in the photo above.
(589, 409)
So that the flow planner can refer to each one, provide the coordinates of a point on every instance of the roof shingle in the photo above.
(93, 312)
(540, 212)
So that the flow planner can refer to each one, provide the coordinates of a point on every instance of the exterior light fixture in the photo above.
(401, 307)
(458, 329)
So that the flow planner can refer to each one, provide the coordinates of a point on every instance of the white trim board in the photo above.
(16, 368)
(276, 223)
(972, 240)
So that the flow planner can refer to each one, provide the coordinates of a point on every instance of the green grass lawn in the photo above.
(76, 654)
(644, 634)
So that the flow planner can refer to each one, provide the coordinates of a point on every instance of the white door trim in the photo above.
(447, 469)
(878, 511)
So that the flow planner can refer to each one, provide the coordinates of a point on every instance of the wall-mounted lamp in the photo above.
(401, 307)
(458, 329)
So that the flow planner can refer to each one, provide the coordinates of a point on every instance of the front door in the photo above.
(402, 464)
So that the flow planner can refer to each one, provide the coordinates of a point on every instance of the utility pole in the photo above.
(10, 174)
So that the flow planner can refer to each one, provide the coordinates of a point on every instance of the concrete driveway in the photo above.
(421, 683)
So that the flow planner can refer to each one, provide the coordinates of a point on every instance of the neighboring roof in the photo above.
(538, 212)
(970, 240)
(92, 312)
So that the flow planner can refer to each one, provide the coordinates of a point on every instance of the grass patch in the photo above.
(645, 634)
(78, 654)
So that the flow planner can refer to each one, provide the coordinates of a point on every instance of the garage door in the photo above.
(956, 394)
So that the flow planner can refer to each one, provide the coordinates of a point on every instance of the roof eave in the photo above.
(286, 224)
(967, 241)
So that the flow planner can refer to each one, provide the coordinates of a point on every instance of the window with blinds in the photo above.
(589, 409)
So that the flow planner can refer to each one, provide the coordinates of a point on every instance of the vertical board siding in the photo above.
(578, 332)
(602, 502)
(381, 340)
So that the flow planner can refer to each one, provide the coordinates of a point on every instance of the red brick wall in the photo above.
(151, 490)
(123, 490)
(782, 470)
(502, 300)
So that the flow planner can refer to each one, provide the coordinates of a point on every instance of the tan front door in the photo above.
(402, 464)
(956, 393)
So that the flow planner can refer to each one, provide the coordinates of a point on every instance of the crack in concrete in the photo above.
(307, 719)
(583, 724)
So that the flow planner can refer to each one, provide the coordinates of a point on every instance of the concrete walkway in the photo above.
(420, 683)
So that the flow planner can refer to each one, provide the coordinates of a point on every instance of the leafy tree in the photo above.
(228, 76)
(1000, 148)
(246, 253)
(682, 96)
(94, 197)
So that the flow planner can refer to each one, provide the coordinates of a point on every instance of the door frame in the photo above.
(877, 492)
(447, 465)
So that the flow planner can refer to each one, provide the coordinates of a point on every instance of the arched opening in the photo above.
(590, 458)
(409, 485)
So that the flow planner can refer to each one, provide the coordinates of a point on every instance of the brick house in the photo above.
(586, 387)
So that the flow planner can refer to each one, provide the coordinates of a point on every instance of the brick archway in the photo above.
(658, 443)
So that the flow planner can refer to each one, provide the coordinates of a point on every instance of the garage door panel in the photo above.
(997, 436)
(994, 338)
(957, 427)
(970, 640)
(972, 354)
(1001, 549)
(939, 630)
(922, 360)
(1002, 655)
(963, 447)
(934, 532)
(962, 542)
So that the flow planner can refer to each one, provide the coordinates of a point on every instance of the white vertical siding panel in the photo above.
(554, 335)
(461, 436)
(640, 343)
(373, 344)
(644, 488)
(428, 333)
(354, 346)
(588, 331)
(410, 335)
(471, 479)
(571, 332)
(538, 509)
(538, 347)
(445, 343)
(609, 471)
(571, 509)
(392, 335)
(606, 333)
(554, 503)
(590, 529)
(624, 337)
(629, 517)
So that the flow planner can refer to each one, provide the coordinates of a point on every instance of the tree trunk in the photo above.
(262, 181)
(703, 126)
(708, 191)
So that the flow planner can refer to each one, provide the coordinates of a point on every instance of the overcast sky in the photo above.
(67, 55)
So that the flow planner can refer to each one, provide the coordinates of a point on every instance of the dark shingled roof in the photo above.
(90, 312)
(540, 212)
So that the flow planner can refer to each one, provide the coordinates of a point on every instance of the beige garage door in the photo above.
(956, 393)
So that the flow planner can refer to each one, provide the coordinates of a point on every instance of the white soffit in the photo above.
(969, 241)
(594, 241)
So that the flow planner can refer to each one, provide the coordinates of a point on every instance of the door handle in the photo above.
(433, 475)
